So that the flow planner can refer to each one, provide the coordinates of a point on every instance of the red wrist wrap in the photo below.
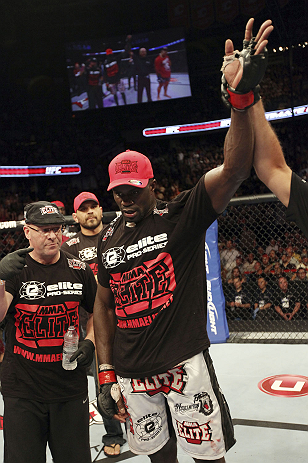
(106, 377)
(241, 101)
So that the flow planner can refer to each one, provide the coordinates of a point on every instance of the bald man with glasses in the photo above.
(41, 291)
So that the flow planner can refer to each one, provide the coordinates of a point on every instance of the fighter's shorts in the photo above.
(163, 80)
(200, 414)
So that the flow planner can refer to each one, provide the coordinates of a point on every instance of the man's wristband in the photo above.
(107, 377)
(106, 374)
(240, 101)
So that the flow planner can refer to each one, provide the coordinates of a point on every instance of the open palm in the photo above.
(233, 71)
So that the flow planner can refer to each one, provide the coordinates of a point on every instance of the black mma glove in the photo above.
(13, 263)
(246, 94)
(109, 392)
(84, 353)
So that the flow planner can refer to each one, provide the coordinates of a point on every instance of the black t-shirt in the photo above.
(46, 301)
(262, 299)
(84, 247)
(156, 271)
(297, 210)
(242, 297)
(285, 300)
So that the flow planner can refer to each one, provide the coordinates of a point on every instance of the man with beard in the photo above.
(88, 214)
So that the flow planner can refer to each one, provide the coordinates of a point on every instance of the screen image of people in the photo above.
(128, 70)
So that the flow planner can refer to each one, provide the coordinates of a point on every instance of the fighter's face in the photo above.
(135, 203)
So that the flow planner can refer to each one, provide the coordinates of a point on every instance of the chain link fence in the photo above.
(264, 268)
(264, 265)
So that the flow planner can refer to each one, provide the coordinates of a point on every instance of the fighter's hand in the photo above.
(13, 263)
(110, 401)
(243, 71)
(234, 71)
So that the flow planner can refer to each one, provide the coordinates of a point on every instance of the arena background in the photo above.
(38, 127)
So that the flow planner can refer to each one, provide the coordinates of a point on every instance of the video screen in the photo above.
(127, 70)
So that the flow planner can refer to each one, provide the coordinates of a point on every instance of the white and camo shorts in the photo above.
(200, 414)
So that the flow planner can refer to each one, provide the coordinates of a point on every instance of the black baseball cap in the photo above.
(43, 213)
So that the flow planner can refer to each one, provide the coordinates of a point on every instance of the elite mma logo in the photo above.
(149, 426)
(32, 290)
(126, 166)
(172, 380)
(48, 210)
(113, 257)
(193, 432)
(88, 253)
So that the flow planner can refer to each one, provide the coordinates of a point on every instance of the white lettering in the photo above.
(298, 386)
(53, 170)
(64, 285)
(146, 242)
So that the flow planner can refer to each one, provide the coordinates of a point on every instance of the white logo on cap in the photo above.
(135, 182)
(48, 210)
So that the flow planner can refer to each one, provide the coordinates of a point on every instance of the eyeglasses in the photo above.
(47, 230)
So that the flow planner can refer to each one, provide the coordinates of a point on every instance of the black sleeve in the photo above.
(90, 286)
(297, 210)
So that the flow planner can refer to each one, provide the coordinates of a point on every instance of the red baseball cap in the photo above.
(82, 197)
(109, 51)
(130, 168)
(58, 204)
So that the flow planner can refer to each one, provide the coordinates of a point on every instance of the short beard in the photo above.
(91, 226)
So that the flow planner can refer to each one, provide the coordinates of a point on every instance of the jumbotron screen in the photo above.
(128, 70)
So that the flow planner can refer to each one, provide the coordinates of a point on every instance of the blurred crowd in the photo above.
(178, 162)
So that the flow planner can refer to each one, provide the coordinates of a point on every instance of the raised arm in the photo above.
(269, 161)
(221, 183)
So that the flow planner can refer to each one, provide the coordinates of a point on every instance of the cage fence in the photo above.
(264, 265)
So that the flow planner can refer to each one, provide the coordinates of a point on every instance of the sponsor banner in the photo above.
(217, 326)
(221, 123)
(39, 171)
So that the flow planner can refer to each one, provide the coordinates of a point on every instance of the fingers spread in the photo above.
(261, 47)
(248, 30)
(263, 28)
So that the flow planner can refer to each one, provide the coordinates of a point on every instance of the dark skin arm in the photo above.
(222, 182)
(104, 328)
